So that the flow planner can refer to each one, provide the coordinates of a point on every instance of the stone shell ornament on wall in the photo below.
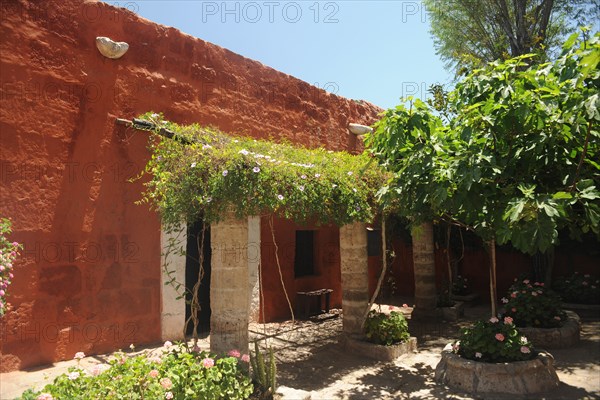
(111, 49)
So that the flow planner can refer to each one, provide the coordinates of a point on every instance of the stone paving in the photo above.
(312, 361)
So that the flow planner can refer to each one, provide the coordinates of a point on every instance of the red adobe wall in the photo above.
(89, 278)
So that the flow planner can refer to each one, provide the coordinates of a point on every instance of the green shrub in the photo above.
(493, 341)
(578, 288)
(386, 329)
(532, 304)
(176, 374)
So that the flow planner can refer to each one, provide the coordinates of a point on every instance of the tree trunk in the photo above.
(493, 294)
(424, 267)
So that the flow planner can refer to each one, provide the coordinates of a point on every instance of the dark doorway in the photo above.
(192, 267)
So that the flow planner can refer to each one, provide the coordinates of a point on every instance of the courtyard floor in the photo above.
(311, 358)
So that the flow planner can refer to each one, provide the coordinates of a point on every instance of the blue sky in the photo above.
(376, 51)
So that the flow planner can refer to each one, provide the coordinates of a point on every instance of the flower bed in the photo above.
(520, 377)
(579, 289)
(178, 373)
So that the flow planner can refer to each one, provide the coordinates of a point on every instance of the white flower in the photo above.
(193, 164)
(168, 344)
(504, 300)
(244, 152)
(334, 186)
(73, 375)
(303, 177)
(256, 169)
(280, 197)
(225, 173)
(301, 188)
(206, 146)
(478, 355)
(350, 173)
(317, 175)
(354, 190)
(494, 320)
(208, 199)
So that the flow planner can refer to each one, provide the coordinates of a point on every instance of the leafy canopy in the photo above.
(217, 174)
(470, 33)
(518, 160)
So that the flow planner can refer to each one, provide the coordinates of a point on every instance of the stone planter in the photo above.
(453, 313)
(555, 338)
(515, 378)
(465, 298)
(380, 352)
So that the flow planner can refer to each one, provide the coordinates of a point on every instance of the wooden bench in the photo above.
(304, 300)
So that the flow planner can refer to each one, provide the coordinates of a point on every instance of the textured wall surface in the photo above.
(89, 278)
(355, 276)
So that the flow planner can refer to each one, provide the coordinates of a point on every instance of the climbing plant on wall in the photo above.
(207, 173)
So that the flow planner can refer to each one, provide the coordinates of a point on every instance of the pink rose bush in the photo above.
(494, 340)
(531, 304)
(154, 376)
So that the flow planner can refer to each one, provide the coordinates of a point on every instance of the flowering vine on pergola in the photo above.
(203, 173)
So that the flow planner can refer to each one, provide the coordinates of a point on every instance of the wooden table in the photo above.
(304, 300)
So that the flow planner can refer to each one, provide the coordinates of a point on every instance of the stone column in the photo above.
(253, 265)
(424, 268)
(229, 299)
(355, 276)
(172, 311)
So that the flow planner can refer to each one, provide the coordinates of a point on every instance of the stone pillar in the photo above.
(424, 268)
(229, 299)
(253, 265)
(172, 311)
(355, 276)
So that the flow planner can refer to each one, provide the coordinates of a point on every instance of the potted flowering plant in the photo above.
(578, 288)
(460, 286)
(538, 312)
(386, 336)
(531, 304)
(487, 353)
(386, 329)
(493, 341)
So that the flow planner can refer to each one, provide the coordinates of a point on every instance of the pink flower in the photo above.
(525, 350)
(513, 295)
(166, 383)
(208, 362)
(79, 355)
(526, 281)
(585, 276)
(557, 318)
(45, 396)
(493, 320)
(513, 309)
(478, 355)
(234, 353)
(405, 305)
(584, 283)
(153, 373)
(73, 375)
(168, 395)
(392, 308)
(246, 358)
(534, 294)
(508, 320)
(168, 344)
(98, 369)
(499, 337)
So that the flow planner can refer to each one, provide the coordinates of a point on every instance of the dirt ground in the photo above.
(311, 358)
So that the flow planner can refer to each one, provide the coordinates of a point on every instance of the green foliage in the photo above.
(178, 374)
(467, 34)
(264, 372)
(532, 304)
(493, 341)
(517, 162)
(386, 329)
(217, 174)
(578, 288)
(460, 285)
(8, 252)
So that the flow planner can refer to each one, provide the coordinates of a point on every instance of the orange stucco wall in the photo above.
(89, 276)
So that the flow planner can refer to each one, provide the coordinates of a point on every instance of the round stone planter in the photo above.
(516, 378)
(380, 352)
(555, 338)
